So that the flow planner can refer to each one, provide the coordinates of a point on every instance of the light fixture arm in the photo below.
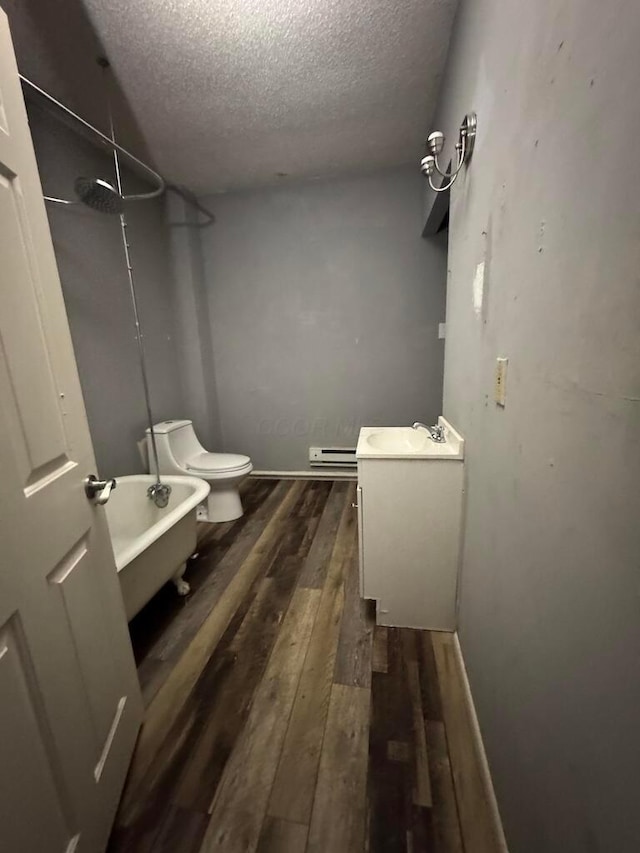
(464, 148)
(461, 156)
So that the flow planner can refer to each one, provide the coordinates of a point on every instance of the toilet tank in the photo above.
(176, 441)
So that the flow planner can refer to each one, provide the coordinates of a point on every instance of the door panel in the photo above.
(76, 587)
(38, 436)
(70, 703)
(28, 758)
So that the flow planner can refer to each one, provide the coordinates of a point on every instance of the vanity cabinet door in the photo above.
(409, 515)
(360, 508)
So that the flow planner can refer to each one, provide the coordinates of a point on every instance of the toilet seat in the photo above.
(210, 465)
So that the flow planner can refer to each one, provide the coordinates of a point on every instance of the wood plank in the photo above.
(390, 788)
(339, 809)
(181, 830)
(152, 674)
(420, 830)
(282, 836)
(385, 792)
(227, 690)
(321, 490)
(253, 491)
(422, 782)
(229, 686)
(353, 663)
(190, 763)
(446, 827)
(240, 804)
(429, 685)
(300, 509)
(313, 512)
(398, 750)
(478, 833)
(317, 491)
(294, 785)
(221, 565)
(380, 662)
(137, 829)
(315, 568)
(165, 626)
(168, 702)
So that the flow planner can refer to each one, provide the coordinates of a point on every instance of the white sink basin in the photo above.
(409, 443)
(399, 440)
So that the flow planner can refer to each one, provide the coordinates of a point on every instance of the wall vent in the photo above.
(332, 457)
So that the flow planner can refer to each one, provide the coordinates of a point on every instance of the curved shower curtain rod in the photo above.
(114, 146)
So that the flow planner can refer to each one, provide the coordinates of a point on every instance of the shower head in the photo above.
(99, 195)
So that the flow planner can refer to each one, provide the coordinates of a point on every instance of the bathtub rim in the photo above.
(200, 491)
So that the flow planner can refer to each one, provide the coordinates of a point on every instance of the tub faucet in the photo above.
(436, 433)
(159, 493)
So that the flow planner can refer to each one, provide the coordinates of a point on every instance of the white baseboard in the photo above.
(482, 756)
(334, 474)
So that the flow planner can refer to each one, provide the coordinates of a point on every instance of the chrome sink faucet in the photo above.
(436, 433)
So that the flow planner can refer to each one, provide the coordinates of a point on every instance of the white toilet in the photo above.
(180, 452)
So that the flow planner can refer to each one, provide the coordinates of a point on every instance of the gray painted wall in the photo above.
(324, 303)
(550, 605)
(89, 252)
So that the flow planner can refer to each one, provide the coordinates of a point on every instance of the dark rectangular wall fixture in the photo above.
(436, 209)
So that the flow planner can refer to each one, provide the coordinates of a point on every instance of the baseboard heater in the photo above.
(332, 457)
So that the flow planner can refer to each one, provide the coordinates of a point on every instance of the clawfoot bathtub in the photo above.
(151, 545)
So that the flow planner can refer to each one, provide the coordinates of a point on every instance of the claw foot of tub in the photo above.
(182, 587)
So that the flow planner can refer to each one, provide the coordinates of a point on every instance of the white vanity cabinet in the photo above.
(410, 493)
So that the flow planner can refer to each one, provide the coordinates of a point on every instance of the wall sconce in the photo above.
(464, 149)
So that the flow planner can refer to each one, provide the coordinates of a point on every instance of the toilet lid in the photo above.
(218, 463)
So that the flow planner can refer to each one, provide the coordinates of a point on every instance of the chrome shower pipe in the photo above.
(158, 492)
(114, 146)
(111, 143)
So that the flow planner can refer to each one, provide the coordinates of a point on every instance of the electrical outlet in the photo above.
(500, 388)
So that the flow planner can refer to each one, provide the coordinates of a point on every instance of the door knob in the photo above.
(98, 491)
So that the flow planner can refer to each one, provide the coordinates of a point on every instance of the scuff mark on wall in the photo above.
(478, 288)
(541, 236)
(566, 384)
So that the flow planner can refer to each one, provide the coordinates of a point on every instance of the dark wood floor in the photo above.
(278, 717)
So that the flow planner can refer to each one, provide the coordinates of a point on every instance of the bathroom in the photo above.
(298, 281)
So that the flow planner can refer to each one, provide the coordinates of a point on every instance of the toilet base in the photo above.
(224, 504)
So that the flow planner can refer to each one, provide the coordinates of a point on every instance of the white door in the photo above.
(70, 704)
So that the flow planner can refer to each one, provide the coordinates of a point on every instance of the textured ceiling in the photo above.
(230, 93)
